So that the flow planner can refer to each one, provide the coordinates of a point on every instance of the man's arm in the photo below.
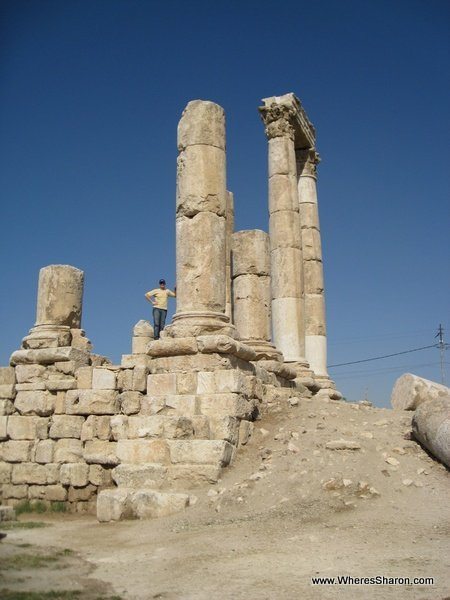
(149, 295)
(172, 294)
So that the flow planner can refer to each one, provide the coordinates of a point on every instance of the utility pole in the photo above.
(440, 335)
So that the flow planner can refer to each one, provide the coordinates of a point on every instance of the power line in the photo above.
(442, 346)
(354, 362)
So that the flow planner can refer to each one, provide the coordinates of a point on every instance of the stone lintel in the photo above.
(289, 107)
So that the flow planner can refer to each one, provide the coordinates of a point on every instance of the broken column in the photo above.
(230, 230)
(59, 307)
(201, 222)
(284, 227)
(315, 320)
(251, 291)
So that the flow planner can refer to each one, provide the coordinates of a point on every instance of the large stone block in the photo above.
(139, 476)
(7, 376)
(84, 494)
(84, 378)
(114, 505)
(99, 476)
(50, 493)
(60, 295)
(96, 427)
(27, 428)
(148, 504)
(43, 452)
(162, 384)
(139, 379)
(233, 405)
(225, 428)
(410, 391)
(16, 450)
(18, 492)
(32, 473)
(282, 194)
(119, 427)
(66, 426)
(6, 407)
(281, 156)
(3, 427)
(101, 452)
(143, 451)
(103, 379)
(39, 402)
(130, 402)
(7, 391)
(68, 450)
(172, 347)
(284, 230)
(186, 383)
(217, 452)
(75, 474)
(88, 402)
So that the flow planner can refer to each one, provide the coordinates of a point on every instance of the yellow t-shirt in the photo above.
(161, 297)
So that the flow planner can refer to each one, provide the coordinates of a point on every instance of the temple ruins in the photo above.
(134, 440)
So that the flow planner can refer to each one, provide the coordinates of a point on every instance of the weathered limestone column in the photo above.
(201, 222)
(315, 319)
(251, 291)
(230, 230)
(284, 228)
(59, 307)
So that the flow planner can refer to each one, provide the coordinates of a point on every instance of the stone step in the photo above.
(166, 452)
(156, 476)
(117, 504)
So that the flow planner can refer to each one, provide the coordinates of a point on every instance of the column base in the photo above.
(194, 324)
(47, 336)
(264, 350)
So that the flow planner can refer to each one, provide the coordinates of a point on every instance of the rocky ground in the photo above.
(323, 488)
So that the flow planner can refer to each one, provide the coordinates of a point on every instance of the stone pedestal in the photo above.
(315, 320)
(251, 292)
(201, 223)
(284, 227)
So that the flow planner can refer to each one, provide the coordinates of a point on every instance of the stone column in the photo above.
(59, 307)
(201, 222)
(230, 230)
(285, 240)
(251, 291)
(315, 321)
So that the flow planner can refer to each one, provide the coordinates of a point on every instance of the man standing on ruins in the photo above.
(159, 297)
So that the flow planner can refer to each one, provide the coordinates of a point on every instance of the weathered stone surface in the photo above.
(40, 403)
(224, 428)
(59, 384)
(130, 402)
(113, 505)
(150, 504)
(410, 391)
(97, 402)
(99, 475)
(66, 426)
(202, 123)
(5, 472)
(183, 476)
(162, 384)
(7, 391)
(143, 328)
(30, 473)
(6, 407)
(172, 347)
(125, 379)
(315, 315)
(245, 431)
(96, 427)
(84, 378)
(7, 513)
(200, 451)
(139, 476)
(68, 450)
(101, 452)
(27, 428)
(431, 427)
(143, 451)
(15, 450)
(119, 427)
(84, 494)
(79, 340)
(103, 379)
(43, 451)
(139, 345)
(186, 383)
(48, 356)
(31, 387)
(7, 376)
(3, 427)
(224, 344)
(60, 295)
(140, 378)
(250, 253)
(51, 493)
(251, 307)
(75, 474)
(215, 405)
(15, 491)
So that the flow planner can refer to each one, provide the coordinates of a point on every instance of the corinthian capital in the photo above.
(307, 161)
(278, 120)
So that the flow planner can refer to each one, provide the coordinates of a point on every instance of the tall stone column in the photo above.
(285, 241)
(230, 230)
(201, 222)
(315, 320)
(251, 291)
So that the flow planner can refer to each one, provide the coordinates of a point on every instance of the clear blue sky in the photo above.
(90, 96)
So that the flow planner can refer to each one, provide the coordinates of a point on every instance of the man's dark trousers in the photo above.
(159, 321)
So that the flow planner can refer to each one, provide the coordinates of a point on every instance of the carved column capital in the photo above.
(277, 120)
(307, 161)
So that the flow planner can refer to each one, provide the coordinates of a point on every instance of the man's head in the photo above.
(162, 284)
